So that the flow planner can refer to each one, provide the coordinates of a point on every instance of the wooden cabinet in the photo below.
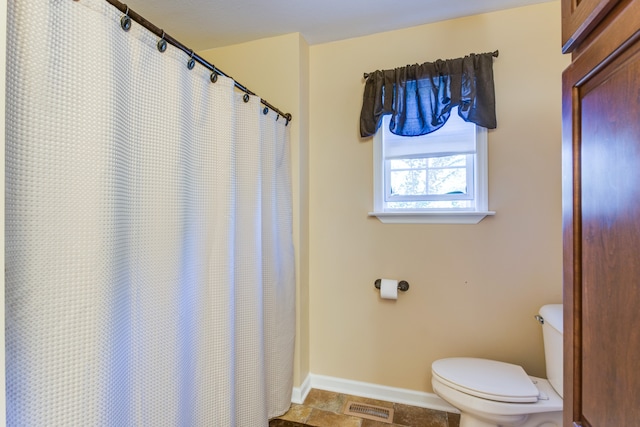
(601, 213)
(579, 17)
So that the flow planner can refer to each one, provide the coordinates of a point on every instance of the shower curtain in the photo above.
(149, 267)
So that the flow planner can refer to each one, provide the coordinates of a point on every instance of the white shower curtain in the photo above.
(149, 267)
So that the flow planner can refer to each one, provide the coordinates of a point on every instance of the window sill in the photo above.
(444, 217)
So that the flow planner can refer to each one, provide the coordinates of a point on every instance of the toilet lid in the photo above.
(487, 379)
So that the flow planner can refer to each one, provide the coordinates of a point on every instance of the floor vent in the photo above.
(370, 412)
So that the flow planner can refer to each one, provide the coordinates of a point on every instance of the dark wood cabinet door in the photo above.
(579, 17)
(601, 227)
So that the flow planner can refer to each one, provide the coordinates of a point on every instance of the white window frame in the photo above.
(432, 216)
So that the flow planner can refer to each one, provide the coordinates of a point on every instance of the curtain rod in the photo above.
(494, 54)
(160, 33)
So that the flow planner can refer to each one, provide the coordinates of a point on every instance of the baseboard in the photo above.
(371, 391)
(300, 393)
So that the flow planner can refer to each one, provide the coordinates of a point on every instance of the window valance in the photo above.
(420, 97)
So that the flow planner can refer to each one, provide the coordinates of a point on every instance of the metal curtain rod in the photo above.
(160, 33)
(494, 54)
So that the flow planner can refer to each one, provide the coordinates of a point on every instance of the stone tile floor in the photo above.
(325, 409)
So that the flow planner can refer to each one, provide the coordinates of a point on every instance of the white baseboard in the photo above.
(371, 391)
(300, 393)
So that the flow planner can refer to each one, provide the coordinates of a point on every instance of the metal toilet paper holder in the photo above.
(403, 285)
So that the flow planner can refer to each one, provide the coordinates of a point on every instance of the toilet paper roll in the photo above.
(388, 289)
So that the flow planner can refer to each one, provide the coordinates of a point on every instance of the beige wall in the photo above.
(474, 288)
(277, 69)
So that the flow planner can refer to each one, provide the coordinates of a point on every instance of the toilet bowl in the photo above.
(490, 393)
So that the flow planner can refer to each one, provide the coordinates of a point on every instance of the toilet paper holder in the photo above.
(403, 285)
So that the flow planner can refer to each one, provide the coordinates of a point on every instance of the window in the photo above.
(440, 177)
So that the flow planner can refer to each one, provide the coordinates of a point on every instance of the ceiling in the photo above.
(203, 24)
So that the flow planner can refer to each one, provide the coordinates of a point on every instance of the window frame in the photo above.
(432, 215)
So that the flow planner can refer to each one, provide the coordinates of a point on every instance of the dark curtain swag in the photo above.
(420, 97)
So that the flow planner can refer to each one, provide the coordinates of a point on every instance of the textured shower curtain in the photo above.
(149, 267)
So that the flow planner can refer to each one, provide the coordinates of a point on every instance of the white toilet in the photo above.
(497, 394)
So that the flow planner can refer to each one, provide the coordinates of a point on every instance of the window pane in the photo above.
(448, 161)
(408, 182)
(448, 181)
(432, 176)
(408, 163)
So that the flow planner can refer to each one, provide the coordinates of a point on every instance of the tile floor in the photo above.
(325, 409)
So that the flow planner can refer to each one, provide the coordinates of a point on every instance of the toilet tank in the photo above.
(552, 337)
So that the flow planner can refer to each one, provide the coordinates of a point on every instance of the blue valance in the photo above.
(420, 97)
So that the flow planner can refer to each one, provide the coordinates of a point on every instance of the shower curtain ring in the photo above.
(162, 43)
(125, 21)
(192, 62)
(214, 75)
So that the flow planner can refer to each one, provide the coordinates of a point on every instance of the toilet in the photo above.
(489, 393)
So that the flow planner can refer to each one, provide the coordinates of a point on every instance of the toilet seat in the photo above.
(486, 379)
